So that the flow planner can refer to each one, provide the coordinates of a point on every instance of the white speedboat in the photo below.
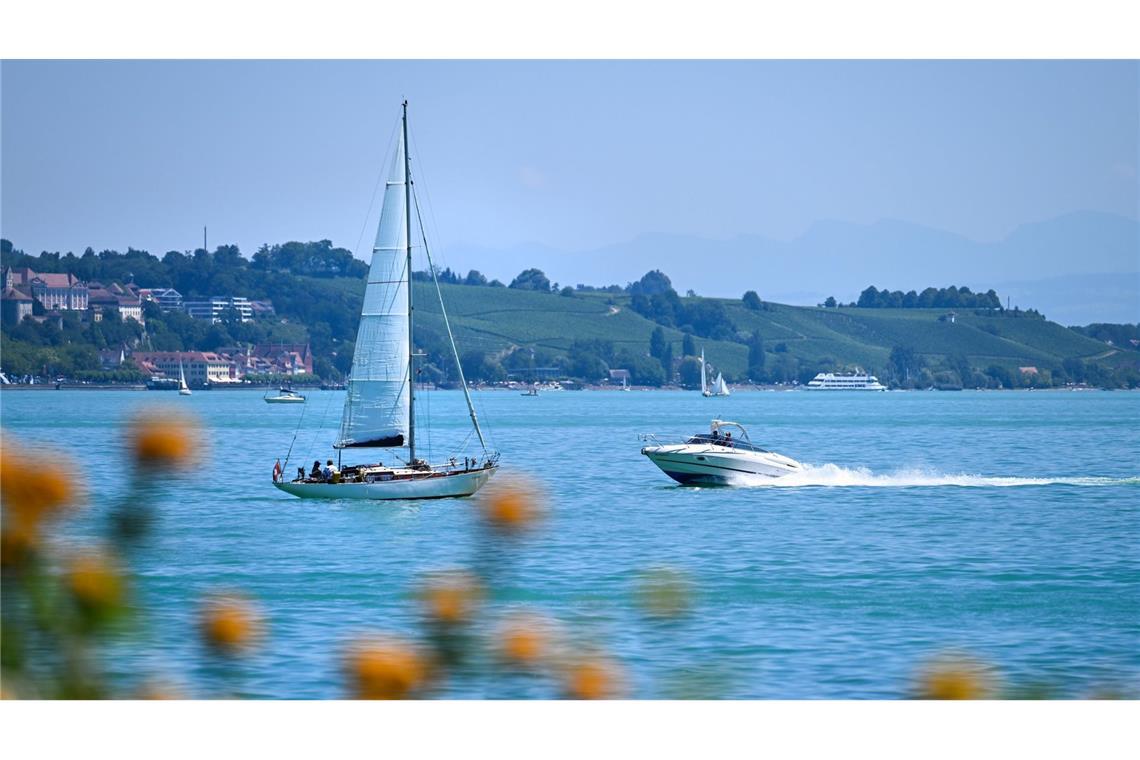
(380, 402)
(285, 396)
(717, 457)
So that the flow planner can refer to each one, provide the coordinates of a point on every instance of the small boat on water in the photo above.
(285, 396)
(854, 381)
(719, 386)
(532, 391)
(183, 388)
(380, 402)
(716, 457)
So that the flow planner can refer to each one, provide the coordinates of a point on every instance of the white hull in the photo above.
(427, 487)
(284, 400)
(710, 464)
(184, 392)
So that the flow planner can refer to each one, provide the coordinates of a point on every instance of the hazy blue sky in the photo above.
(570, 155)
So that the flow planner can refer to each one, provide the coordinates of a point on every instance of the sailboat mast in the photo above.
(408, 245)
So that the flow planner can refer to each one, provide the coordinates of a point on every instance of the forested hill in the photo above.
(582, 332)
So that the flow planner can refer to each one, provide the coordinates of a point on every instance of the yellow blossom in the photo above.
(954, 677)
(229, 623)
(95, 582)
(511, 506)
(33, 489)
(524, 640)
(591, 678)
(450, 597)
(385, 668)
(664, 593)
(164, 442)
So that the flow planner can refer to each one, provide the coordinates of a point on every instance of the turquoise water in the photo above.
(1005, 525)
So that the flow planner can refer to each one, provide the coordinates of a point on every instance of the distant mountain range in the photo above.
(1078, 268)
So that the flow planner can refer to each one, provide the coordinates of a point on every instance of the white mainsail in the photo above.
(183, 388)
(376, 407)
(720, 387)
(704, 380)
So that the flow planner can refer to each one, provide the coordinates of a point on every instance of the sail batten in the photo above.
(378, 393)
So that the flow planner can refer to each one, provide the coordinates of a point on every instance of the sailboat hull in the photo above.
(428, 487)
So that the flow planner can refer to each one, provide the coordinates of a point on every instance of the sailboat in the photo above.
(183, 388)
(719, 386)
(379, 405)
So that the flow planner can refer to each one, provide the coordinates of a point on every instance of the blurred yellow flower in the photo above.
(511, 506)
(664, 592)
(385, 668)
(32, 489)
(96, 583)
(164, 442)
(591, 678)
(16, 546)
(954, 677)
(229, 623)
(158, 690)
(450, 597)
(524, 640)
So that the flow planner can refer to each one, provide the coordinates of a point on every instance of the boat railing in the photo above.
(671, 440)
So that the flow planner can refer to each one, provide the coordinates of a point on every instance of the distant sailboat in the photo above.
(183, 388)
(719, 386)
(704, 376)
(379, 406)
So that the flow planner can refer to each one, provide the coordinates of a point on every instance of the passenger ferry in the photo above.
(829, 381)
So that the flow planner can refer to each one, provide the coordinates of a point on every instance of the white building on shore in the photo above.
(201, 367)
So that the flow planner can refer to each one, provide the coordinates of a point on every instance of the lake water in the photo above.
(1004, 525)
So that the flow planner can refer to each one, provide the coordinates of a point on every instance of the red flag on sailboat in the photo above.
(277, 471)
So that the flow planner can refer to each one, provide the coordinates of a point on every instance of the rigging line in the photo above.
(425, 184)
(316, 434)
(447, 324)
(296, 430)
(375, 188)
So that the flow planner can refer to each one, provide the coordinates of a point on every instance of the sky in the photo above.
(573, 155)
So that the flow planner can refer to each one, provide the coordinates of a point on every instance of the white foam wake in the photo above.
(832, 475)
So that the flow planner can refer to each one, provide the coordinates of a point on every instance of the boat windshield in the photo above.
(720, 440)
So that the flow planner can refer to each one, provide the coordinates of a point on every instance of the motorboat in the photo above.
(285, 396)
(380, 401)
(717, 457)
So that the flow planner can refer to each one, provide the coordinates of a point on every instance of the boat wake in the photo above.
(832, 475)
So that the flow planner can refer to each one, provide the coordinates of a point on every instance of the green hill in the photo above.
(496, 320)
(316, 290)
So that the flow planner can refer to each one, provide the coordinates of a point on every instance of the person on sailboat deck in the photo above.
(316, 473)
(329, 470)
